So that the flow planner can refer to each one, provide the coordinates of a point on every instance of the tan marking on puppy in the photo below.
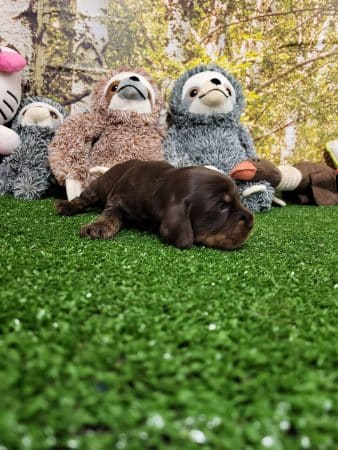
(227, 198)
(226, 241)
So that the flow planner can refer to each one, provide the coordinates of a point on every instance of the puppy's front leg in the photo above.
(107, 225)
(77, 205)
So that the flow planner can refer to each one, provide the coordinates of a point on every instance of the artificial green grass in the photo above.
(134, 344)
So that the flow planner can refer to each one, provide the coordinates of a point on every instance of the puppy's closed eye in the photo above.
(224, 202)
(221, 205)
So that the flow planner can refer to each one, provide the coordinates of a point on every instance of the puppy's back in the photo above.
(131, 175)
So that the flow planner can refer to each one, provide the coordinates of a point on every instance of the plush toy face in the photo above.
(40, 114)
(10, 83)
(208, 92)
(128, 91)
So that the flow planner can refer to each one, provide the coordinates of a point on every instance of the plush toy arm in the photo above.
(9, 140)
(246, 141)
(69, 150)
(174, 157)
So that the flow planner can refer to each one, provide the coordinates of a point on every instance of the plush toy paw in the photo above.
(7, 176)
(4, 188)
(29, 186)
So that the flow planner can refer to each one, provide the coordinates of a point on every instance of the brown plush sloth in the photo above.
(123, 124)
(184, 206)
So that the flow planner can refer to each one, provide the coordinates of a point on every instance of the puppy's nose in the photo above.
(247, 217)
(215, 81)
(134, 78)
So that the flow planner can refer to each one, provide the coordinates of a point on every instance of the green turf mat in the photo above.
(133, 344)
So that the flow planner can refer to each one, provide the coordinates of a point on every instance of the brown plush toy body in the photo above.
(305, 183)
(123, 124)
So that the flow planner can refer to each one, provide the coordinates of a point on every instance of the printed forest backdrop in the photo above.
(284, 52)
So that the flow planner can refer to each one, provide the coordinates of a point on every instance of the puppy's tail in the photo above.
(98, 170)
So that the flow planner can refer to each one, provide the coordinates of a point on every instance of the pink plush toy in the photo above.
(11, 65)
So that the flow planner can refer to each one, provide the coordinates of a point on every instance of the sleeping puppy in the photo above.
(184, 206)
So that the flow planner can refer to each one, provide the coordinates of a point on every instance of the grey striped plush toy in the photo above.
(26, 173)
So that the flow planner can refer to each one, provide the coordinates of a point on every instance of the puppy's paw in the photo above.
(65, 208)
(98, 230)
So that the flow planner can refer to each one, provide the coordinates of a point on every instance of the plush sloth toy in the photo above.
(204, 111)
(26, 173)
(123, 124)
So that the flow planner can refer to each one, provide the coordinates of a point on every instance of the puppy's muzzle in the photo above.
(235, 232)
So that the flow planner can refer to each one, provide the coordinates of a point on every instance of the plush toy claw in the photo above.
(10, 61)
(97, 170)
(254, 190)
(73, 188)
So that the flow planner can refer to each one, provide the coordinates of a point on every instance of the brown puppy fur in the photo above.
(186, 205)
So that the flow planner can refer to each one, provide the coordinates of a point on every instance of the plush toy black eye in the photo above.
(228, 91)
(255, 159)
(53, 114)
(113, 88)
(193, 92)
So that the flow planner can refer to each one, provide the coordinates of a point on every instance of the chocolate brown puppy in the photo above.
(184, 206)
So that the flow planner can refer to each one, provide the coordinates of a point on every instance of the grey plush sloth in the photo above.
(204, 111)
(26, 173)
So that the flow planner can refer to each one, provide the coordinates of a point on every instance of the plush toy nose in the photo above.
(132, 89)
(213, 98)
(11, 61)
(37, 114)
(215, 81)
(244, 171)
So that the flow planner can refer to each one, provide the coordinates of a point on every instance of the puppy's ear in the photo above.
(176, 226)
